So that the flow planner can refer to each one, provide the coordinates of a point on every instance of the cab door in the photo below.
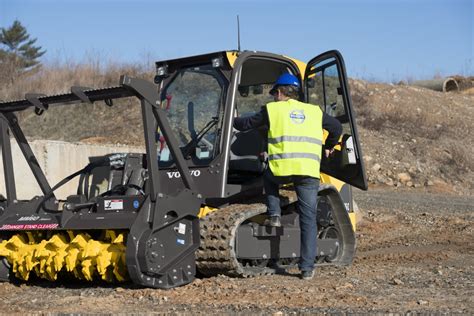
(326, 85)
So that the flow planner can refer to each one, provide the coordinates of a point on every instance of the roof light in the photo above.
(217, 62)
(162, 70)
(161, 73)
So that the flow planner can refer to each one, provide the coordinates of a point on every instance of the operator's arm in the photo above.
(334, 128)
(255, 121)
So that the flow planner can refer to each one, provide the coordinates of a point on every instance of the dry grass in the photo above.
(459, 157)
(119, 124)
(416, 111)
(60, 78)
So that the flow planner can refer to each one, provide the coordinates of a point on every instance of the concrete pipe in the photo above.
(444, 85)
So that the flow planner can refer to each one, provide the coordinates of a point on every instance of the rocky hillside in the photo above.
(416, 138)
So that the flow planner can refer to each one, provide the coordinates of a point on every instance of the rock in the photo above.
(393, 91)
(381, 179)
(417, 185)
(429, 183)
(422, 302)
(409, 184)
(396, 281)
(389, 182)
(368, 158)
(376, 167)
(279, 313)
(344, 286)
(403, 177)
(439, 181)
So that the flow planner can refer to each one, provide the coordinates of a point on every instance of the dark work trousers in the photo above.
(307, 192)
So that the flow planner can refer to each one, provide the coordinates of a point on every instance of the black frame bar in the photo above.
(7, 161)
(27, 153)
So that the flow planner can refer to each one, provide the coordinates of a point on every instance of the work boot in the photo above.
(307, 275)
(273, 221)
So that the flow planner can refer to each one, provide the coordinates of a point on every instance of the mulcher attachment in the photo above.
(160, 231)
(47, 254)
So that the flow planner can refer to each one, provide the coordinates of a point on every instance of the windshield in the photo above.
(192, 103)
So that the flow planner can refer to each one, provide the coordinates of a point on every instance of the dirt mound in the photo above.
(415, 137)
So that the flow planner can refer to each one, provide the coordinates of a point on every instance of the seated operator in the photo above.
(295, 134)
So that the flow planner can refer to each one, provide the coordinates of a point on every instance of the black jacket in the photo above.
(332, 125)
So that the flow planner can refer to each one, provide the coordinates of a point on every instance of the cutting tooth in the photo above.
(120, 268)
(74, 253)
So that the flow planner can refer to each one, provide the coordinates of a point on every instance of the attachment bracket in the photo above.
(33, 98)
(79, 92)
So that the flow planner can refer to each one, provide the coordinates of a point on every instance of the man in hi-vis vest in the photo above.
(295, 135)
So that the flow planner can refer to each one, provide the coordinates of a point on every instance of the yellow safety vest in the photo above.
(294, 138)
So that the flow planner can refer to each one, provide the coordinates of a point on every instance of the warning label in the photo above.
(113, 205)
(28, 226)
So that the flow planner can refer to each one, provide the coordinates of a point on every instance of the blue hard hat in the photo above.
(285, 80)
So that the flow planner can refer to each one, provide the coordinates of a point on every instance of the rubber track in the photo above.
(216, 254)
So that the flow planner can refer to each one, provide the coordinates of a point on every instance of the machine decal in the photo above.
(28, 226)
(180, 241)
(176, 174)
(181, 229)
(113, 205)
(136, 204)
(31, 218)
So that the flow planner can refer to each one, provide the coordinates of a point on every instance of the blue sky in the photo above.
(385, 40)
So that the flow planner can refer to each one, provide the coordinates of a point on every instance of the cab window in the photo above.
(324, 89)
(192, 101)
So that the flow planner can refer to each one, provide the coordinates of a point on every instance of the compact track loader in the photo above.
(193, 201)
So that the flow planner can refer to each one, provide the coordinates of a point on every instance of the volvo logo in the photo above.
(176, 174)
(297, 116)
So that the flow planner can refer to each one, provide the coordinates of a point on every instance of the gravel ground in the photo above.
(415, 254)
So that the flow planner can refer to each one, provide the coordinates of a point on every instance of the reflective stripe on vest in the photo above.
(304, 139)
(294, 138)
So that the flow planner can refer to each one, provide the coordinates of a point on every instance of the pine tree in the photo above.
(18, 54)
